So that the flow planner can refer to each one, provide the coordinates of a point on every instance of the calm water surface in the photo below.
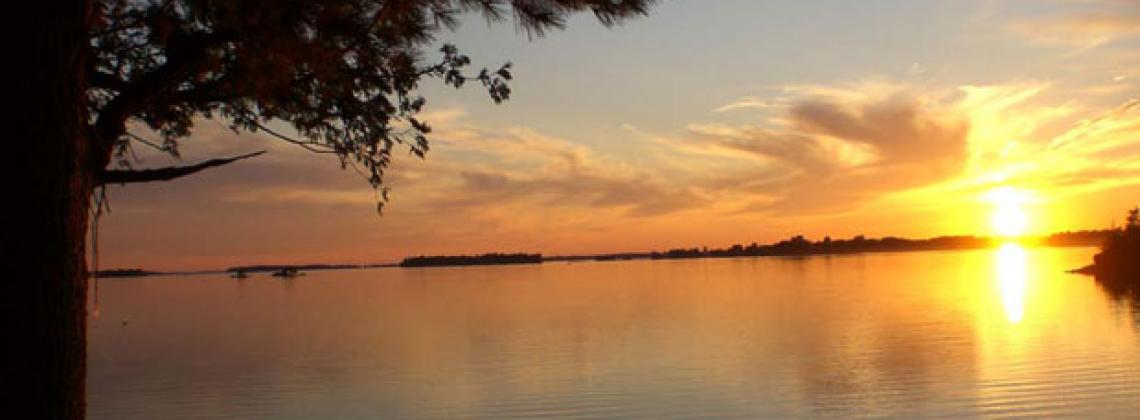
(976, 333)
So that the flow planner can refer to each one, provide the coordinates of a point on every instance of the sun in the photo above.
(1008, 218)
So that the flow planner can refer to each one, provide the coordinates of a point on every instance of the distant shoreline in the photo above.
(801, 246)
(1117, 265)
(795, 246)
(268, 268)
(462, 260)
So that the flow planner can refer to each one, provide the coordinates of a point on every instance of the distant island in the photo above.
(799, 245)
(1118, 263)
(458, 260)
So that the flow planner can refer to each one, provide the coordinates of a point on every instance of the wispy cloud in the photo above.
(1092, 24)
(521, 165)
(839, 147)
(749, 102)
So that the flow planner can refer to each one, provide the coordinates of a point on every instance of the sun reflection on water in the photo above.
(1012, 277)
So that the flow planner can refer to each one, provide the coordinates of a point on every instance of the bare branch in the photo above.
(165, 174)
(152, 144)
(307, 145)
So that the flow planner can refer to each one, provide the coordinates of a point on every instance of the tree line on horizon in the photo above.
(800, 245)
(493, 258)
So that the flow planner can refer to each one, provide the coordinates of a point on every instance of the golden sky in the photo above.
(707, 123)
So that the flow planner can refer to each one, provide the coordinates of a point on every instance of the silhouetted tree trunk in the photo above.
(44, 285)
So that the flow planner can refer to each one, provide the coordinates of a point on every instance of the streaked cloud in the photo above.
(839, 147)
(1092, 24)
(748, 102)
(522, 165)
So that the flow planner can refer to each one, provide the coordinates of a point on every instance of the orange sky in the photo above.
(757, 122)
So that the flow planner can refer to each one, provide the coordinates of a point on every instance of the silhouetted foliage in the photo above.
(1118, 264)
(1078, 238)
(344, 73)
(485, 259)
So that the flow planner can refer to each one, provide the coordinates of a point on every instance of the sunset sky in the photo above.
(704, 124)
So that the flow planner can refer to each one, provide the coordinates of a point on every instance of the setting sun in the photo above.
(1008, 218)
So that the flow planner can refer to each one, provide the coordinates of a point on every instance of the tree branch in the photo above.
(114, 176)
(152, 144)
(184, 54)
(103, 80)
(307, 145)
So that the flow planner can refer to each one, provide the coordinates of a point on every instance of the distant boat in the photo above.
(287, 272)
(239, 275)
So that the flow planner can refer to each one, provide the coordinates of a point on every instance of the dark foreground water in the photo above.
(976, 333)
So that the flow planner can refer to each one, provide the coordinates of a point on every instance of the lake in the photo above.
(997, 332)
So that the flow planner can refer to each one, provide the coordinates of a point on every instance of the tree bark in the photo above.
(44, 289)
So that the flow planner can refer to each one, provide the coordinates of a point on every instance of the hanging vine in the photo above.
(98, 206)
